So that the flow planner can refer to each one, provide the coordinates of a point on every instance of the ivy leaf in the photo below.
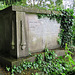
(8, 68)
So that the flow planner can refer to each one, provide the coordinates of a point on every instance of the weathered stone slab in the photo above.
(60, 52)
(12, 61)
(42, 33)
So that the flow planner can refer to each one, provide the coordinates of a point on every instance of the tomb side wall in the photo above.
(7, 22)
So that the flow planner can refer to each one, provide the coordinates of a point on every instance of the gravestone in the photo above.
(21, 32)
(42, 33)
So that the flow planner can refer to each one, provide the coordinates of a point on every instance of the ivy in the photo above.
(58, 2)
(51, 65)
(73, 34)
(66, 19)
(51, 2)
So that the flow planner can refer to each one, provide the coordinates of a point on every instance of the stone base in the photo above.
(5, 61)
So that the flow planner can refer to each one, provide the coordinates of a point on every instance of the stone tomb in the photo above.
(21, 32)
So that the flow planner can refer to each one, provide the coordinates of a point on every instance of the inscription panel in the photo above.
(42, 32)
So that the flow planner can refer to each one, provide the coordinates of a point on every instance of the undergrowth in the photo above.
(49, 64)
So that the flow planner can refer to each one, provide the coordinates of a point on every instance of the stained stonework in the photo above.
(42, 33)
(22, 32)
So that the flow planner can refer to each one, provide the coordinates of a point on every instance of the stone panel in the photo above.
(22, 50)
(42, 33)
(5, 33)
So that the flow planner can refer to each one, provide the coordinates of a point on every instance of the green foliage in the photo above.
(51, 2)
(49, 55)
(73, 28)
(36, 73)
(66, 25)
(66, 19)
(50, 65)
(39, 59)
(68, 56)
(8, 68)
(58, 2)
(3, 5)
(40, 5)
(59, 39)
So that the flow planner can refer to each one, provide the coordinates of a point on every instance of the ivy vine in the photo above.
(58, 2)
(49, 64)
(66, 19)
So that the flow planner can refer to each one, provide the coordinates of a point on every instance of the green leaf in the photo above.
(73, 68)
(63, 74)
(36, 73)
(8, 68)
